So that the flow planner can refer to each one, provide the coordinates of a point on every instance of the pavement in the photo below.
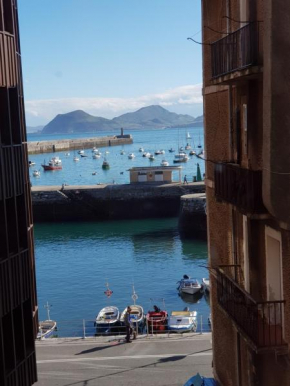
(109, 361)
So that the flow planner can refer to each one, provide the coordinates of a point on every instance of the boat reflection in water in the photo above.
(191, 299)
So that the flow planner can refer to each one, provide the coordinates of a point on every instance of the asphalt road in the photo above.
(153, 361)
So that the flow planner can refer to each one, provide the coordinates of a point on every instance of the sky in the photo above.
(109, 57)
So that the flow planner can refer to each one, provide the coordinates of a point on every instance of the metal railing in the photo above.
(87, 328)
(262, 322)
(236, 51)
(240, 187)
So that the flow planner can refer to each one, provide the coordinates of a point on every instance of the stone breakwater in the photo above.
(109, 202)
(192, 216)
(78, 143)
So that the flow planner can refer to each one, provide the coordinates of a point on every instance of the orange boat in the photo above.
(157, 320)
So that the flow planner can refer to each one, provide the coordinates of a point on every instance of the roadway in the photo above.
(154, 361)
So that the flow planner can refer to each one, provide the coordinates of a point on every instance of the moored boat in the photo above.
(36, 173)
(105, 165)
(187, 147)
(31, 163)
(96, 156)
(156, 320)
(107, 320)
(131, 156)
(141, 149)
(47, 327)
(137, 316)
(76, 159)
(164, 163)
(183, 321)
(192, 152)
(171, 150)
(188, 285)
(180, 157)
(206, 284)
(52, 165)
(151, 157)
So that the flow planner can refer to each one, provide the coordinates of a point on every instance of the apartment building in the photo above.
(246, 88)
(18, 307)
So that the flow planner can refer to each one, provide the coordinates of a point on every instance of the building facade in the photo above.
(18, 306)
(247, 128)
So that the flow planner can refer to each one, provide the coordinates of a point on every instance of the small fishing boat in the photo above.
(105, 165)
(189, 286)
(67, 154)
(162, 151)
(137, 316)
(122, 152)
(187, 147)
(171, 150)
(107, 152)
(131, 156)
(183, 321)
(81, 152)
(188, 135)
(157, 319)
(145, 154)
(47, 327)
(54, 164)
(36, 173)
(192, 152)
(151, 157)
(107, 320)
(180, 157)
(206, 284)
(83, 155)
(157, 152)
(96, 156)
(76, 159)
(164, 163)
(31, 163)
(141, 149)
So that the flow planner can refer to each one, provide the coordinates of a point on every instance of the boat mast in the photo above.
(134, 295)
(47, 306)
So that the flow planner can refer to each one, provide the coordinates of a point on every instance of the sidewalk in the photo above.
(154, 361)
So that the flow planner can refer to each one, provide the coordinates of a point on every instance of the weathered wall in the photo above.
(108, 202)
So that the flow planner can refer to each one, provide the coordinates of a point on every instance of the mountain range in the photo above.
(151, 117)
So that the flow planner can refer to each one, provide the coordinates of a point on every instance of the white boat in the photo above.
(188, 135)
(31, 163)
(180, 157)
(55, 161)
(122, 152)
(105, 164)
(36, 173)
(164, 163)
(141, 149)
(151, 157)
(136, 316)
(192, 152)
(67, 154)
(157, 152)
(76, 159)
(162, 151)
(131, 156)
(81, 152)
(96, 156)
(107, 320)
(189, 286)
(107, 152)
(206, 284)
(171, 150)
(146, 154)
(47, 327)
(187, 147)
(183, 321)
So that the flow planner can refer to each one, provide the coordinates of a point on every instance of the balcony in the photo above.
(239, 187)
(261, 323)
(237, 51)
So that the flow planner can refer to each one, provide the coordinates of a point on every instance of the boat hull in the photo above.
(50, 168)
(46, 329)
(157, 321)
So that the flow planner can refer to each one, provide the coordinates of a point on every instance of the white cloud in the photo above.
(47, 109)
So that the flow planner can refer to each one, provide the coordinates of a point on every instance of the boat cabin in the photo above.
(154, 174)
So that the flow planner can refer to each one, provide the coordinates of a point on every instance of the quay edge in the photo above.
(38, 147)
(109, 202)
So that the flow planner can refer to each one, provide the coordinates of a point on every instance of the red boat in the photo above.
(51, 167)
(54, 164)
(156, 320)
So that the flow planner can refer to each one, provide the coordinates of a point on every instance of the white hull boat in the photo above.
(46, 329)
(136, 316)
(131, 156)
(107, 320)
(183, 321)
(36, 173)
(206, 284)
(189, 286)
(164, 163)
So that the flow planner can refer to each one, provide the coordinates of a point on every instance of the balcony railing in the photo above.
(236, 51)
(240, 187)
(261, 322)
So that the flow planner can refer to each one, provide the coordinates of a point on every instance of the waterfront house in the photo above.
(246, 59)
(154, 174)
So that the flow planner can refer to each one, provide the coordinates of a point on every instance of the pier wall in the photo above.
(109, 202)
(78, 143)
(192, 216)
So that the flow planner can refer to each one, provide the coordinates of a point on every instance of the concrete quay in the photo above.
(109, 202)
(77, 144)
(147, 361)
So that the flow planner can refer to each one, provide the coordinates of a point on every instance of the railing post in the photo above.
(147, 327)
(201, 324)
(84, 329)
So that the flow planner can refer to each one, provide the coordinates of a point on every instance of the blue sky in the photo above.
(109, 57)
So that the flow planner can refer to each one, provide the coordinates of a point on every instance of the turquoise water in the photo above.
(74, 261)
(74, 173)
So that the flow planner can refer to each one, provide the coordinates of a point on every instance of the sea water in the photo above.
(88, 171)
(74, 261)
